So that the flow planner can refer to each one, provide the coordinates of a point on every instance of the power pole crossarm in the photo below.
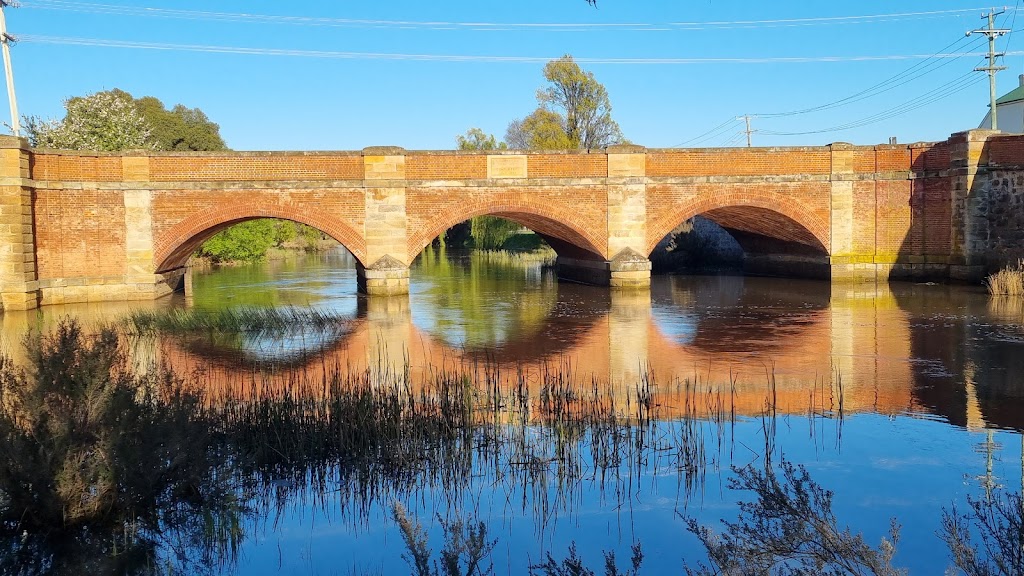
(992, 33)
(5, 46)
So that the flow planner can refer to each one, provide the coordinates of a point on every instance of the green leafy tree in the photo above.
(574, 112)
(582, 101)
(180, 128)
(113, 120)
(245, 242)
(541, 130)
(477, 139)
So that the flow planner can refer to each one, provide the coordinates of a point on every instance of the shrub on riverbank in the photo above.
(525, 243)
(1007, 282)
(253, 240)
(99, 464)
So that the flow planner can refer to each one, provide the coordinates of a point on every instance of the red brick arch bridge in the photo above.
(88, 226)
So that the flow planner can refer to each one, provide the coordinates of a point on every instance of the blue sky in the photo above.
(268, 101)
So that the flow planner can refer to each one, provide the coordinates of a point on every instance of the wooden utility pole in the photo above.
(992, 32)
(746, 118)
(5, 45)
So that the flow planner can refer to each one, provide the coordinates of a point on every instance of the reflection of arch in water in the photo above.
(568, 314)
(722, 314)
(560, 334)
(287, 351)
(803, 336)
(174, 246)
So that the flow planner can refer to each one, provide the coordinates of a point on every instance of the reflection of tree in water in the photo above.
(503, 310)
(324, 279)
(735, 313)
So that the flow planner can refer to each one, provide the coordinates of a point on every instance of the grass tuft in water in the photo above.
(100, 465)
(1007, 282)
(244, 320)
(544, 256)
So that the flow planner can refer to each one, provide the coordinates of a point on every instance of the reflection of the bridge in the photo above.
(919, 349)
(847, 349)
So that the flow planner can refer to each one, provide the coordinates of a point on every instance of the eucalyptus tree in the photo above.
(574, 111)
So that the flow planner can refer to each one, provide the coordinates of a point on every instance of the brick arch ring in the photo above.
(778, 203)
(541, 220)
(174, 246)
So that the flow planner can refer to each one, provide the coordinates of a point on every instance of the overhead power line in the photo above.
(1009, 38)
(710, 134)
(942, 92)
(926, 66)
(736, 139)
(123, 10)
(99, 42)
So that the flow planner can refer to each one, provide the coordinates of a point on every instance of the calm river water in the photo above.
(903, 399)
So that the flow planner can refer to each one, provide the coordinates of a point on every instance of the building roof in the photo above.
(1014, 95)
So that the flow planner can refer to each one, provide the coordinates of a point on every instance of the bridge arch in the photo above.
(548, 222)
(174, 246)
(777, 216)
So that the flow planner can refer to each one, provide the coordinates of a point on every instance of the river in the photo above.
(903, 399)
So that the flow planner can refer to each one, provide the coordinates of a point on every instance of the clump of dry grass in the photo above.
(1007, 282)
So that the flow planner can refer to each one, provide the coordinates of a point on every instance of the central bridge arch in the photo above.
(554, 225)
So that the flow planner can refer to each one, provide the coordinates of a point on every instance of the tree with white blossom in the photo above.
(105, 121)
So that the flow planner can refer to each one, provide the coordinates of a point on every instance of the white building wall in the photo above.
(1011, 118)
